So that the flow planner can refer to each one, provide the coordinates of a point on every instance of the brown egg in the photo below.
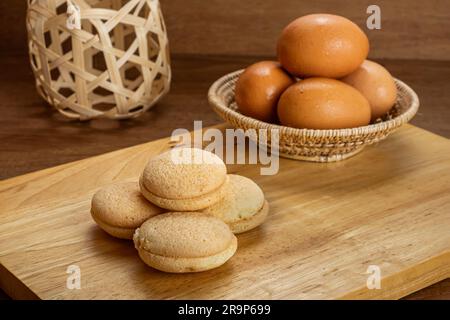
(376, 84)
(322, 45)
(259, 88)
(322, 103)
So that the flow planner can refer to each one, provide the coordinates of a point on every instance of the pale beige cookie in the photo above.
(243, 207)
(120, 208)
(184, 179)
(181, 242)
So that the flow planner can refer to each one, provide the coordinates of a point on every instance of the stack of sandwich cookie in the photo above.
(243, 207)
(184, 179)
(179, 242)
(120, 208)
(203, 208)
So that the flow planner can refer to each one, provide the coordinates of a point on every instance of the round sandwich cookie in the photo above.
(184, 179)
(182, 242)
(119, 209)
(243, 207)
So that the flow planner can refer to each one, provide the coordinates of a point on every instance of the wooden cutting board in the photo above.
(389, 207)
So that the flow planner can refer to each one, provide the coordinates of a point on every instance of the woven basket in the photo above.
(315, 145)
(115, 64)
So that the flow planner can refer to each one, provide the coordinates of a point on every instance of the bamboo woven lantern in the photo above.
(99, 58)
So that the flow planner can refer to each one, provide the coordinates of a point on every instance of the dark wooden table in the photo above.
(34, 137)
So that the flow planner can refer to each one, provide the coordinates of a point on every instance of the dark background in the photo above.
(411, 29)
(208, 39)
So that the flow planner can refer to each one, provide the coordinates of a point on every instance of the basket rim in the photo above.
(216, 100)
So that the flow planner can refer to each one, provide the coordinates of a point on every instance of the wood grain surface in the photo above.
(34, 137)
(324, 229)
(411, 29)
